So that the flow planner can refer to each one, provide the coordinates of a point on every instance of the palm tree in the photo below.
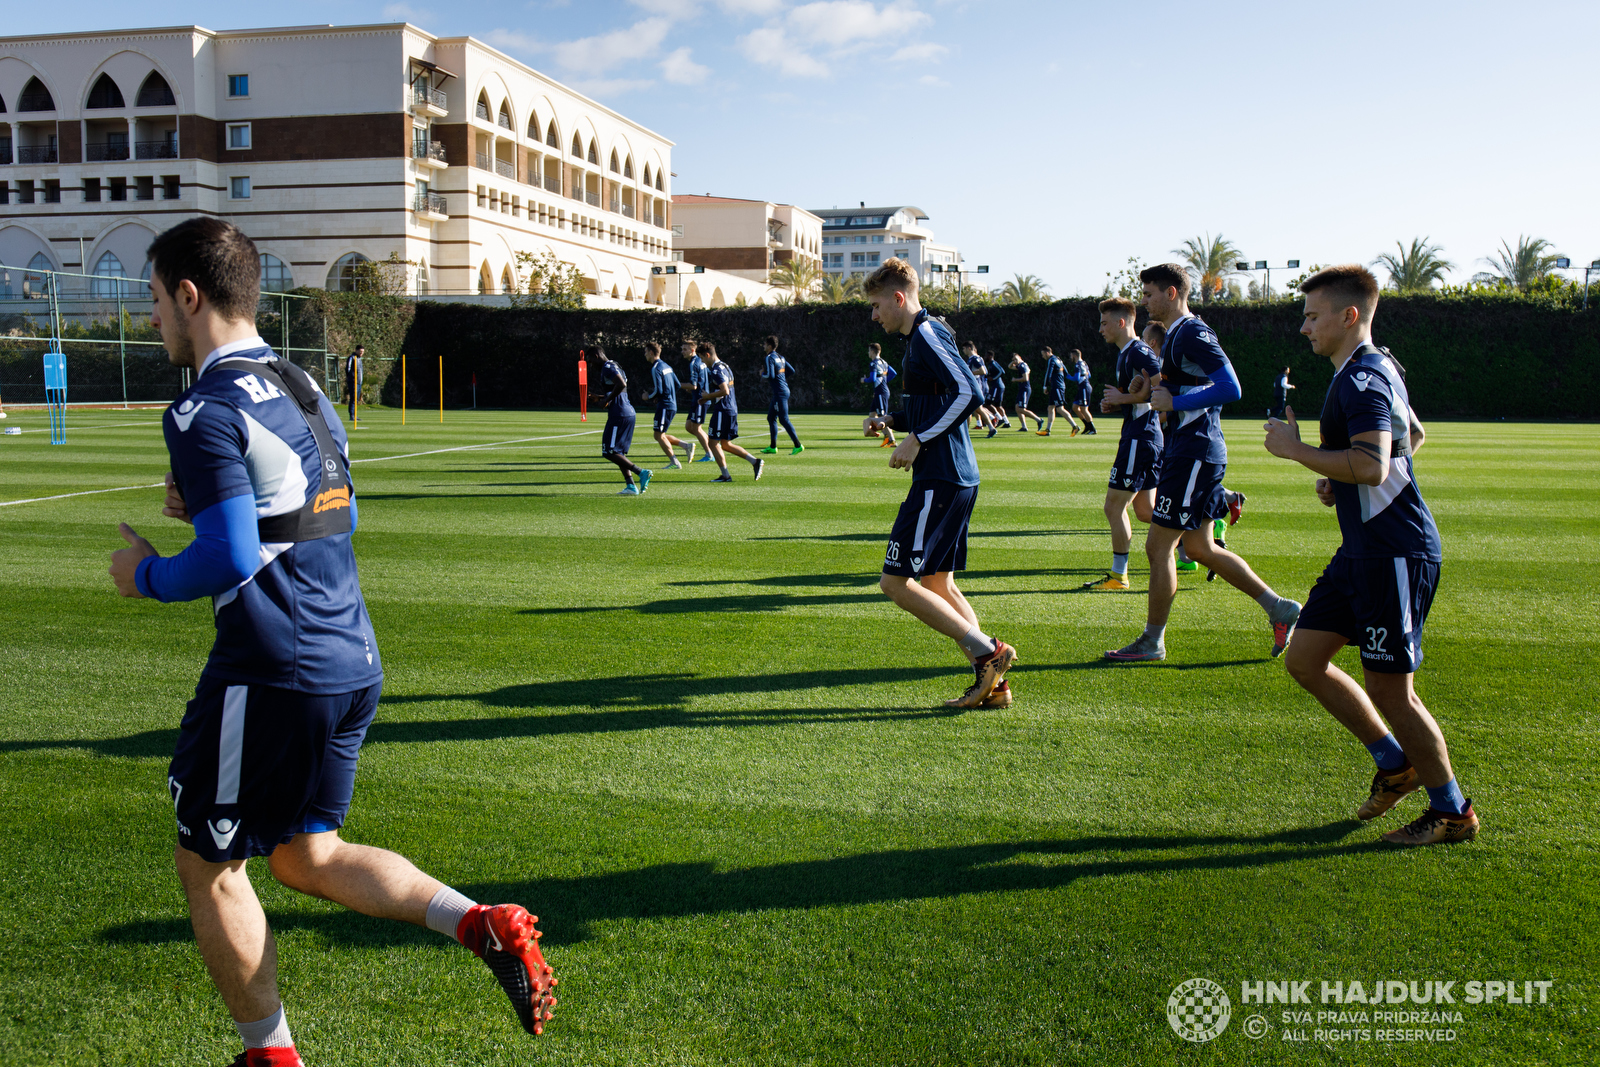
(1210, 259)
(839, 289)
(799, 275)
(1533, 259)
(1024, 288)
(1416, 269)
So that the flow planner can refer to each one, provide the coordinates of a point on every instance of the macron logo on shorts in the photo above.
(222, 832)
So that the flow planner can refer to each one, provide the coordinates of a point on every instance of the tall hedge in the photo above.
(1467, 356)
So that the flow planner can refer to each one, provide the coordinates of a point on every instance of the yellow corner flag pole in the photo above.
(402, 389)
(441, 389)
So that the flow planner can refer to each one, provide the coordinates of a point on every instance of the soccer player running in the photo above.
(1055, 392)
(1138, 464)
(694, 418)
(777, 370)
(1376, 591)
(1024, 393)
(879, 375)
(266, 754)
(1280, 394)
(617, 438)
(969, 352)
(1189, 494)
(1078, 371)
(995, 384)
(664, 391)
(929, 540)
(724, 409)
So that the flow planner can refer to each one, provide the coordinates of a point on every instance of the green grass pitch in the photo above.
(688, 731)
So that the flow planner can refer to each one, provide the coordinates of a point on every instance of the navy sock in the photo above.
(1447, 797)
(1387, 754)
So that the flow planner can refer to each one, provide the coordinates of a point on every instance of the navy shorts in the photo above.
(724, 426)
(1137, 468)
(1057, 398)
(997, 394)
(1189, 494)
(930, 533)
(1024, 395)
(880, 402)
(256, 765)
(663, 420)
(1378, 605)
(695, 412)
(617, 437)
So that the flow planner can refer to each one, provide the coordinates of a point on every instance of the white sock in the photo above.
(977, 644)
(1119, 563)
(271, 1032)
(754, 462)
(1268, 601)
(446, 910)
(1157, 632)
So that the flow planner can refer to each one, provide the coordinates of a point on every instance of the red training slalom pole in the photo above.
(583, 387)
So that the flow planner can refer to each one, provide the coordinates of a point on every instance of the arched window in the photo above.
(342, 276)
(275, 276)
(485, 280)
(659, 187)
(647, 175)
(506, 284)
(503, 120)
(155, 92)
(616, 166)
(482, 109)
(627, 167)
(35, 97)
(594, 156)
(105, 93)
(38, 279)
(577, 146)
(2, 105)
(144, 275)
(107, 275)
(422, 278)
(533, 129)
(550, 138)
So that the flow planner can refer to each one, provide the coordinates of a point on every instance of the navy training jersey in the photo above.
(299, 622)
(613, 378)
(939, 391)
(719, 374)
(979, 371)
(1055, 373)
(1389, 519)
(777, 372)
(697, 376)
(996, 373)
(1189, 357)
(879, 370)
(1140, 422)
(664, 384)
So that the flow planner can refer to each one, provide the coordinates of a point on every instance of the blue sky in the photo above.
(1059, 139)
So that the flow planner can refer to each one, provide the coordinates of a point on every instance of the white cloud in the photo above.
(679, 69)
(925, 52)
(407, 13)
(935, 81)
(771, 47)
(676, 10)
(514, 41)
(602, 88)
(842, 22)
(610, 49)
(750, 7)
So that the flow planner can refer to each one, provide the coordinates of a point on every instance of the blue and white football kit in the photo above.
(617, 437)
(696, 412)
(1138, 463)
(940, 393)
(664, 384)
(996, 382)
(1377, 590)
(724, 409)
(776, 370)
(1085, 385)
(267, 747)
(1055, 381)
(1189, 493)
(1025, 385)
(880, 374)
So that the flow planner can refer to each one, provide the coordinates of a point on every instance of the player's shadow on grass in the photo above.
(719, 605)
(571, 906)
(881, 535)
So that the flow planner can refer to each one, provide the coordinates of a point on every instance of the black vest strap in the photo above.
(326, 512)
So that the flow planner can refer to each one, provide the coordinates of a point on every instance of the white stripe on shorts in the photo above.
(1402, 580)
(1193, 475)
(230, 745)
(1133, 457)
(922, 519)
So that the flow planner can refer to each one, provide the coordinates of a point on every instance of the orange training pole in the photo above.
(583, 387)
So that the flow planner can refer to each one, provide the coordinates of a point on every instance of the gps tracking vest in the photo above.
(326, 512)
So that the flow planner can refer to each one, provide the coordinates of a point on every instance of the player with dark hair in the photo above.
(929, 541)
(1197, 380)
(617, 438)
(1376, 592)
(266, 754)
(724, 409)
(1137, 468)
(694, 416)
(1055, 393)
(664, 391)
(776, 370)
(969, 352)
(995, 388)
(879, 375)
(1078, 371)
(1280, 394)
(1024, 393)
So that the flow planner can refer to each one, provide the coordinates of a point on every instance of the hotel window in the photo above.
(239, 188)
(91, 190)
(238, 135)
(171, 187)
(238, 85)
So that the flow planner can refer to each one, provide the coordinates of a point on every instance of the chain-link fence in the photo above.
(114, 354)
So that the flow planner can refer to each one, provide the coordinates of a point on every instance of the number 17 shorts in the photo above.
(930, 533)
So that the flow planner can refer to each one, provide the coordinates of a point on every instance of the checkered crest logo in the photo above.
(1199, 1010)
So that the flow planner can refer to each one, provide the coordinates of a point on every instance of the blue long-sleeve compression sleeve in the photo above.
(1224, 389)
(225, 551)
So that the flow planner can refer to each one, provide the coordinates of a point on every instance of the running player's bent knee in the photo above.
(892, 585)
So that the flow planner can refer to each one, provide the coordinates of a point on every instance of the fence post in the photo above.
(122, 348)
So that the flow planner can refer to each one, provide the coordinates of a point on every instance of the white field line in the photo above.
(107, 426)
(374, 459)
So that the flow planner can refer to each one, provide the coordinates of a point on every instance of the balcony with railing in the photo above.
(427, 98)
(659, 221)
(155, 149)
(552, 185)
(36, 153)
(5, 153)
(592, 199)
(505, 168)
(481, 110)
(626, 210)
(482, 161)
(429, 153)
(430, 204)
(107, 150)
